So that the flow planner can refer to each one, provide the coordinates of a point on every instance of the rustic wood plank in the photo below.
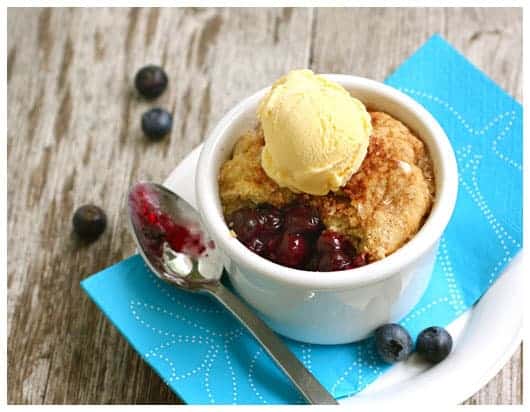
(372, 42)
(74, 138)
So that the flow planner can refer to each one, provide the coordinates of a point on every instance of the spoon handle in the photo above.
(306, 383)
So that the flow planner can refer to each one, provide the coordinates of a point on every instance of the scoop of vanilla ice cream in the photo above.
(316, 133)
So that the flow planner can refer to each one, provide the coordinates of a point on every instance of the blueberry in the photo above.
(89, 221)
(303, 219)
(270, 218)
(245, 223)
(293, 250)
(334, 260)
(393, 343)
(156, 123)
(151, 81)
(434, 344)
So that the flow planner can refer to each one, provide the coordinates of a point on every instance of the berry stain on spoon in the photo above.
(167, 234)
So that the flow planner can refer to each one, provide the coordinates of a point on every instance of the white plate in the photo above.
(485, 337)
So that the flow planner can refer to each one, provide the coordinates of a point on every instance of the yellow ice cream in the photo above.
(316, 133)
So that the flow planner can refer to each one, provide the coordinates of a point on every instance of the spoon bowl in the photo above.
(171, 238)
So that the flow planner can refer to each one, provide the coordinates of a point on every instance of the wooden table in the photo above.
(74, 138)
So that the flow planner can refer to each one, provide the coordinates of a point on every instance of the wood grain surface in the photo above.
(74, 138)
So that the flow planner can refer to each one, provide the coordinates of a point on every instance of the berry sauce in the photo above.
(295, 237)
(157, 227)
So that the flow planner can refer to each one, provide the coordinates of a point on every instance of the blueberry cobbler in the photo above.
(323, 184)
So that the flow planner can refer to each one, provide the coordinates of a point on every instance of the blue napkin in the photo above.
(205, 356)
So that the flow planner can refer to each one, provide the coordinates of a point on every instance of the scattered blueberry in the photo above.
(434, 344)
(156, 123)
(89, 221)
(393, 343)
(151, 81)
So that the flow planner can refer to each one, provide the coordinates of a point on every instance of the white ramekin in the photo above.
(334, 307)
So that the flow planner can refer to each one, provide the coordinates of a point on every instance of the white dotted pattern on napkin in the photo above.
(455, 300)
(509, 115)
(471, 162)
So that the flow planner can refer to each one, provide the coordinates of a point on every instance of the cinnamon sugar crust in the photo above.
(380, 208)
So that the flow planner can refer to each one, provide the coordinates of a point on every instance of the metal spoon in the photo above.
(197, 266)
